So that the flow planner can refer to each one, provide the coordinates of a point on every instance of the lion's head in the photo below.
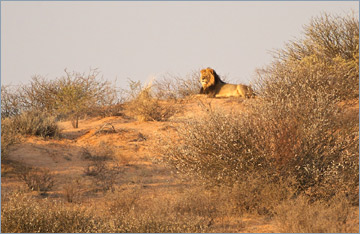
(209, 78)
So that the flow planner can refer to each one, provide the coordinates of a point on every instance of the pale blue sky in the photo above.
(141, 40)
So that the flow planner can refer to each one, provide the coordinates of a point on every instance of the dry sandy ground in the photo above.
(133, 142)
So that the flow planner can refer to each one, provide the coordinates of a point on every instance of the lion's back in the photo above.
(232, 90)
(227, 90)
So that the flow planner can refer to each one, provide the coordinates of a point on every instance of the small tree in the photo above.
(39, 95)
(78, 93)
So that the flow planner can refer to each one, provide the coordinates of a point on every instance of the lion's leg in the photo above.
(240, 91)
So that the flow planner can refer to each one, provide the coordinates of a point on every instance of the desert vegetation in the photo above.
(86, 157)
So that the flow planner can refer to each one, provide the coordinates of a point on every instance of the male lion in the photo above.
(213, 86)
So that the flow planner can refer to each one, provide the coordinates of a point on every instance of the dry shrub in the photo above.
(34, 123)
(11, 102)
(326, 59)
(310, 135)
(301, 216)
(37, 179)
(144, 106)
(100, 169)
(219, 148)
(9, 136)
(73, 190)
(273, 142)
(176, 87)
(103, 151)
(103, 176)
(295, 129)
(23, 214)
(79, 93)
(259, 195)
(95, 168)
(68, 97)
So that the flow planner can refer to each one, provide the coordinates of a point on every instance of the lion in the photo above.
(213, 86)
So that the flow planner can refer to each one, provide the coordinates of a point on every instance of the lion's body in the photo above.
(213, 86)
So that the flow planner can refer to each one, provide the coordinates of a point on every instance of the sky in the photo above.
(146, 40)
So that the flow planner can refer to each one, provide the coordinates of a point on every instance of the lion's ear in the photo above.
(210, 70)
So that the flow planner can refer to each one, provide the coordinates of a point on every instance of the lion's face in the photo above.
(207, 78)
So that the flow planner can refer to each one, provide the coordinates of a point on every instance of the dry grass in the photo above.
(25, 214)
(127, 211)
(135, 212)
(300, 215)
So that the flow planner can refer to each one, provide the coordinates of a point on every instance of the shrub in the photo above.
(103, 151)
(144, 106)
(325, 60)
(39, 95)
(220, 147)
(11, 102)
(8, 136)
(40, 180)
(310, 137)
(70, 96)
(79, 93)
(28, 123)
(35, 123)
(271, 142)
(73, 190)
(103, 174)
(175, 87)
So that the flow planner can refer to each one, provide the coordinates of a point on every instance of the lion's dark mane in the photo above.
(211, 90)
